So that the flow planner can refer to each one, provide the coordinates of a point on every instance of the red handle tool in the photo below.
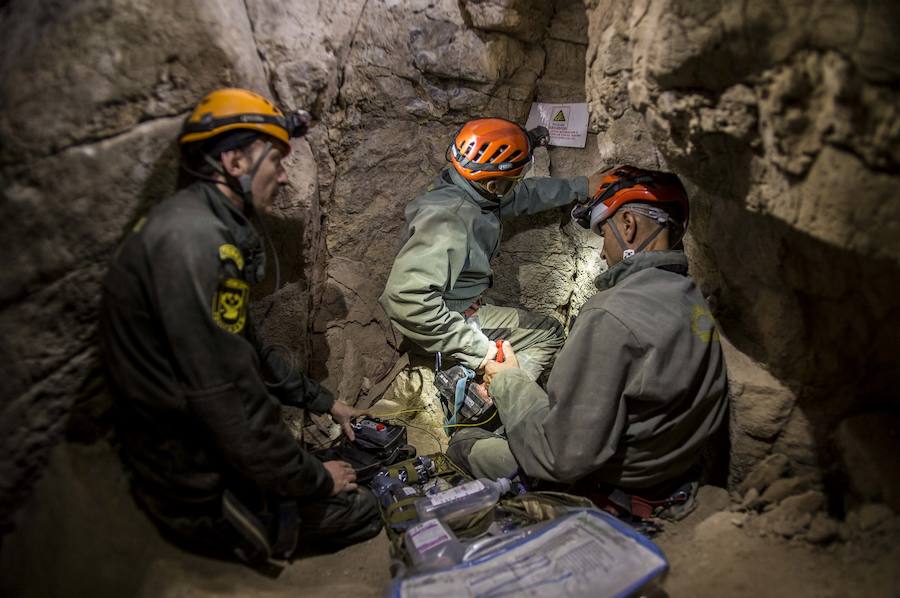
(500, 357)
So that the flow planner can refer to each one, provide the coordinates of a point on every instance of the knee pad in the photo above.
(461, 445)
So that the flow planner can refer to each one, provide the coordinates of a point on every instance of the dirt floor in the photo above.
(712, 552)
(81, 535)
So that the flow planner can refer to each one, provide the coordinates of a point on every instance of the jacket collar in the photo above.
(673, 261)
(245, 236)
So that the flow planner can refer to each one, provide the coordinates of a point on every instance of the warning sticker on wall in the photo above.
(567, 123)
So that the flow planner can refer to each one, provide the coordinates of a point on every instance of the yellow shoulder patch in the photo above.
(229, 305)
(229, 252)
(703, 325)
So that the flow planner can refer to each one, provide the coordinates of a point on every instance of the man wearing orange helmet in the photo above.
(434, 292)
(196, 397)
(639, 385)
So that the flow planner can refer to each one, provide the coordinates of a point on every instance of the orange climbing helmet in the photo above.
(627, 184)
(232, 109)
(487, 148)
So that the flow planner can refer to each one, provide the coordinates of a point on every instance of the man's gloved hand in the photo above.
(492, 368)
(491, 354)
(343, 476)
(343, 413)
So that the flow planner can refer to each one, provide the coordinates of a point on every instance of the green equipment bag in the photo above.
(524, 509)
(400, 515)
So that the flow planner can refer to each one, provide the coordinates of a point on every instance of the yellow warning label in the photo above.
(560, 117)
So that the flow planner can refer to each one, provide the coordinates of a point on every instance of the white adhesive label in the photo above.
(427, 535)
(453, 494)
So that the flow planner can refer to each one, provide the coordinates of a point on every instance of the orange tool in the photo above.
(499, 351)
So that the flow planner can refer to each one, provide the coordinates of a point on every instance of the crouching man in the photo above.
(198, 403)
(639, 385)
(434, 294)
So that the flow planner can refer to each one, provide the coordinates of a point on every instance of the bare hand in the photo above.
(491, 354)
(492, 368)
(343, 476)
(482, 392)
(343, 413)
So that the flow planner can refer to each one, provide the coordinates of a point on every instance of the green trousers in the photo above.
(482, 454)
(534, 337)
(317, 525)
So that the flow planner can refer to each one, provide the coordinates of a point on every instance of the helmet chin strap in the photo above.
(245, 190)
(494, 197)
(484, 192)
(627, 251)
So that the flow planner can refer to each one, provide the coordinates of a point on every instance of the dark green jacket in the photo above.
(452, 233)
(636, 390)
(193, 412)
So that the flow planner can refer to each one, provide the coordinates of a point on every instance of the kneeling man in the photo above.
(640, 384)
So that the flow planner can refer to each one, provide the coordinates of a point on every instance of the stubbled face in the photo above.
(270, 175)
(612, 251)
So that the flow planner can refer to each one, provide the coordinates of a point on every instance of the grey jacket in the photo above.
(638, 387)
(452, 233)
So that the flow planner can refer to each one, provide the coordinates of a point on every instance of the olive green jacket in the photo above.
(452, 233)
(636, 390)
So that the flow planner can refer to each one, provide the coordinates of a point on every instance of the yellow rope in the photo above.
(434, 436)
(475, 425)
(396, 413)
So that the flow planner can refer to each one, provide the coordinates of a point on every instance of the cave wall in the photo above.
(92, 99)
(781, 116)
(92, 96)
(783, 119)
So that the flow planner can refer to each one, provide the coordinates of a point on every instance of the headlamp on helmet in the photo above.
(226, 110)
(297, 123)
(625, 185)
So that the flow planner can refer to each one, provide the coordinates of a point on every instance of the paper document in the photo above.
(584, 554)
(567, 123)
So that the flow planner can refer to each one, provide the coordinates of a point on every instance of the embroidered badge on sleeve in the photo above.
(229, 252)
(229, 307)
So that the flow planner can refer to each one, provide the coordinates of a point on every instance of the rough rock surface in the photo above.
(86, 136)
(765, 473)
(792, 516)
(781, 116)
(387, 83)
(868, 446)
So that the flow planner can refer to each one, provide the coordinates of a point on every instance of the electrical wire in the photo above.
(396, 413)
(434, 436)
(392, 417)
(475, 425)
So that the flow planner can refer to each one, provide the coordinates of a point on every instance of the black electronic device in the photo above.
(377, 444)
(460, 400)
(378, 435)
